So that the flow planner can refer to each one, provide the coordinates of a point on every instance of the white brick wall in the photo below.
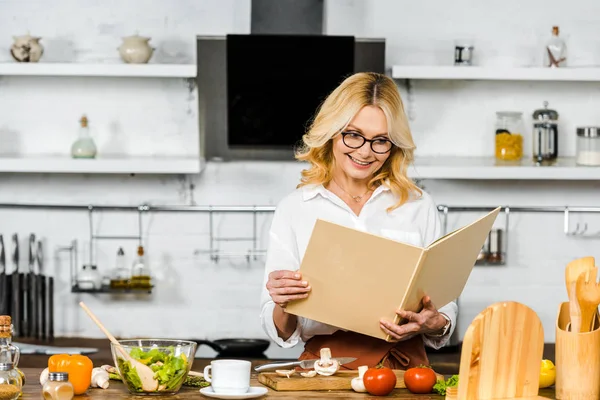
(197, 298)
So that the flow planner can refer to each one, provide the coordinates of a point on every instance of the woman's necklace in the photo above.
(355, 198)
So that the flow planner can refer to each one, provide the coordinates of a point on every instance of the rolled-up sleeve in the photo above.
(432, 232)
(281, 254)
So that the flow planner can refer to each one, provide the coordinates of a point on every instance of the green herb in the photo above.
(441, 385)
(195, 381)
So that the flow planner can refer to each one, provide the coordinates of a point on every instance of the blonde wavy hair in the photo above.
(335, 113)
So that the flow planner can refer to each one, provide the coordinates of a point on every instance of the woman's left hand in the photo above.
(429, 320)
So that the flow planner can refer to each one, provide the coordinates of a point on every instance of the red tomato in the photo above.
(379, 381)
(420, 379)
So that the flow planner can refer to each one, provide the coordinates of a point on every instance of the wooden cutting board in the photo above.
(340, 381)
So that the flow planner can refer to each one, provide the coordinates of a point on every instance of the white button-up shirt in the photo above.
(416, 222)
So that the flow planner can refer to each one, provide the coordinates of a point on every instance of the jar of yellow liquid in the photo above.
(509, 138)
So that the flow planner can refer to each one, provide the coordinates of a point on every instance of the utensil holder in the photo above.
(577, 359)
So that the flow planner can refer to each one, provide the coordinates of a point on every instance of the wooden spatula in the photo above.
(588, 296)
(572, 272)
(149, 384)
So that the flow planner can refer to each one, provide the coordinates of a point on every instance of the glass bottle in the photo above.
(58, 387)
(84, 146)
(9, 353)
(11, 382)
(140, 273)
(509, 135)
(121, 274)
(555, 52)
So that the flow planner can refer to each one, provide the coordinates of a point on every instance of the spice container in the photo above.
(588, 146)
(58, 387)
(496, 255)
(140, 273)
(9, 353)
(509, 138)
(10, 382)
(84, 146)
(121, 274)
(545, 135)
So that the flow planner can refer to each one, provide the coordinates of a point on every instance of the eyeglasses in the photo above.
(356, 141)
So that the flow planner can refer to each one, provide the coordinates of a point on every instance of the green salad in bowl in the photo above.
(153, 366)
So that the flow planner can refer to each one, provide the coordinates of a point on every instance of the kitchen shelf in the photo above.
(581, 74)
(487, 168)
(108, 289)
(99, 70)
(104, 165)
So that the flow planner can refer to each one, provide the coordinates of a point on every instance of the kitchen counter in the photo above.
(116, 390)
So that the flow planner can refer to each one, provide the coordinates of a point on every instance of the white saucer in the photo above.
(254, 391)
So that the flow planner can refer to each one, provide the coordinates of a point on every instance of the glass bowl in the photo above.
(169, 362)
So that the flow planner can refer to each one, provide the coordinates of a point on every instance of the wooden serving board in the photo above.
(340, 381)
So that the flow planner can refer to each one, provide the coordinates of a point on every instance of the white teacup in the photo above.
(228, 376)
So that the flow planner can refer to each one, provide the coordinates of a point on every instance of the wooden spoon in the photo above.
(149, 383)
(588, 296)
(572, 272)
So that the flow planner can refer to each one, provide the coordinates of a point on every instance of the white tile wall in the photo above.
(201, 299)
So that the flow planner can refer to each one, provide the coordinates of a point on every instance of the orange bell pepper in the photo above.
(78, 367)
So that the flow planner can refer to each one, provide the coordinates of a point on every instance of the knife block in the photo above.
(501, 354)
(577, 360)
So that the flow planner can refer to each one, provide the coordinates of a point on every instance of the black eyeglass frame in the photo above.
(365, 140)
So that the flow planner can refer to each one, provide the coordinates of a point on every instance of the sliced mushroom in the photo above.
(285, 372)
(309, 374)
(326, 366)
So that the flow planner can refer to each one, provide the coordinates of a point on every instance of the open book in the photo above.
(357, 278)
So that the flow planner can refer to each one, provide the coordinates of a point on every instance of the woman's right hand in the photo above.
(285, 286)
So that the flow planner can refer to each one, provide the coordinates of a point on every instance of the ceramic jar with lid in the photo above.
(135, 49)
(26, 48)
(545, 135)
(10, 382)
(588, 146)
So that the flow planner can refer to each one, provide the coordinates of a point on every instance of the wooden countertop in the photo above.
(116, 390)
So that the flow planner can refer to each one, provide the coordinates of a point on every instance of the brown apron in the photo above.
(368, 350)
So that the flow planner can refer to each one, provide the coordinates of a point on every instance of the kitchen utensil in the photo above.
(145, 373)
(577, 360)
(237, 347)
(42, 284)
(4, 293)
(545, 135)
(17, 299)
(50, 308)
(588, 297)
(498, 361)
(32, 297)
(306, 364)
(27, 348)
(572, 272)
(340, 381)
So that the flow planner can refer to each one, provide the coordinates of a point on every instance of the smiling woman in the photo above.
(358, 148)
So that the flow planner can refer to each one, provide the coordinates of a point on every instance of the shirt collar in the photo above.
(311, 191)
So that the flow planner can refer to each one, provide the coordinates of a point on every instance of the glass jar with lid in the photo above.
(588, 145)
(58, 387)
(509, 135)
(10, 382)
(545, 135)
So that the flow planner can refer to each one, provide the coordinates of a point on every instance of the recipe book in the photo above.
(357, 278)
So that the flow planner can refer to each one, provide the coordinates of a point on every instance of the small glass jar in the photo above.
(588, 146)
(89, 278)
(509, 135)
(58, 387)
(10, 382)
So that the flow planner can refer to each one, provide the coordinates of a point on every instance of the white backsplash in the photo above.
(197, 298)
